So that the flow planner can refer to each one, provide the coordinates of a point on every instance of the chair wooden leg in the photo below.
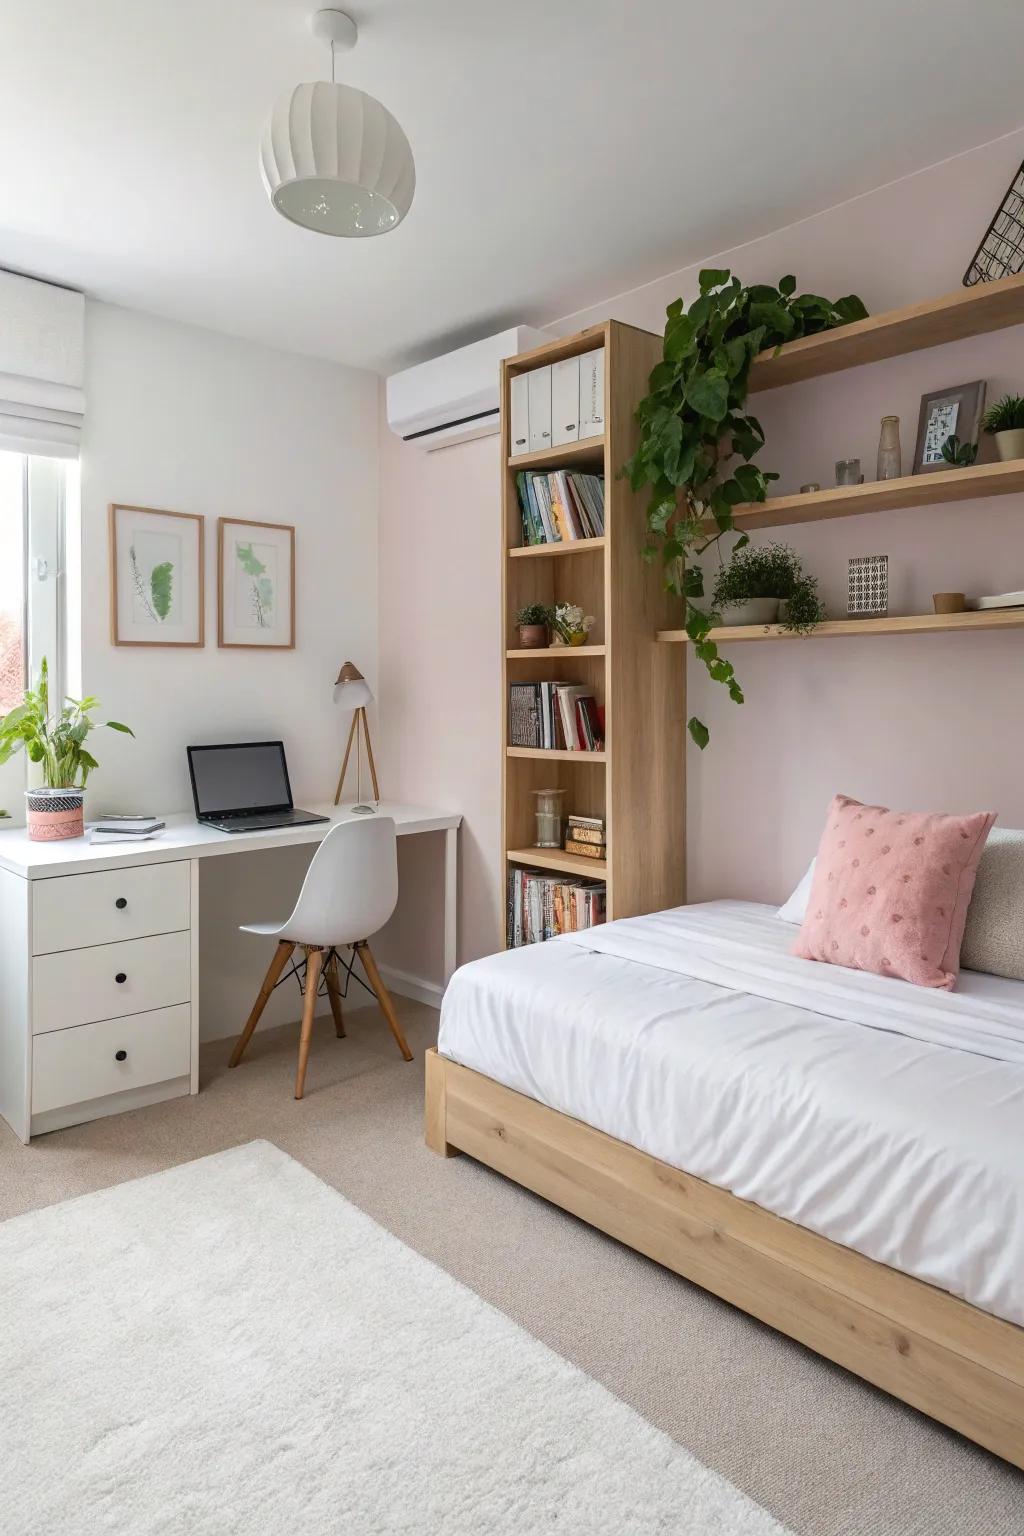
(387, 1007)
(334, 993)
(314, 960)
(282, 955)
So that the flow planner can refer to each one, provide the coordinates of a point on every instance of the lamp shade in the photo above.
(351, 690)
(336, 161)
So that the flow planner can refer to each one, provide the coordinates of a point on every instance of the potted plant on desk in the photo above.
(56, 810)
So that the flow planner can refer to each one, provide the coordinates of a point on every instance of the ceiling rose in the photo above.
(333, 158)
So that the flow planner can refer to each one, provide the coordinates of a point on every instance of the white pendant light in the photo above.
(334, 159)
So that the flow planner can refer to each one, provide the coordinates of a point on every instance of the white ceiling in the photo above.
(566, 150)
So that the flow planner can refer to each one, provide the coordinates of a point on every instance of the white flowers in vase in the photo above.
(571, 624)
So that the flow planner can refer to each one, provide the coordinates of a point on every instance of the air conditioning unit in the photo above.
(454, 398)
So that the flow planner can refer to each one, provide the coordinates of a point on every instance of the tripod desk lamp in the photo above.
(352, 691)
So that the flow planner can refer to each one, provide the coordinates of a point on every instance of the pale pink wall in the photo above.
(927, 722)
(440, 672)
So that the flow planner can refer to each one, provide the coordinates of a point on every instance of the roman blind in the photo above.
(41, 367)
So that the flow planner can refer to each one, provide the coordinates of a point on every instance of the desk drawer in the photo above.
(79, 986)
(74, 1065)
(75, 911)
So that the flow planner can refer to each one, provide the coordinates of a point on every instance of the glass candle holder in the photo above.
(550, 817)
(848, 472)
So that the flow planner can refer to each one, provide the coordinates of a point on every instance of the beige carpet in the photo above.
(826, 1454)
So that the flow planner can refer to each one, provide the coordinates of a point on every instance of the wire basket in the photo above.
(1001, 253)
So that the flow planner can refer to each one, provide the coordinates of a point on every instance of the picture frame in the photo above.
(946, 413)
(157, 576)
(255, 584)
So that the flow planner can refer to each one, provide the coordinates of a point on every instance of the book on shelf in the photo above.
(541, 905)
(555, 716)
(584, 850)
(558, 506)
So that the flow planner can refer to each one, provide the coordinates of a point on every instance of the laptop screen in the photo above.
(248, 776)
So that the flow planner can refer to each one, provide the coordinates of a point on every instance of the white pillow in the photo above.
(795, 909)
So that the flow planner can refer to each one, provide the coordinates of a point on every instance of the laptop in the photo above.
(243, 787)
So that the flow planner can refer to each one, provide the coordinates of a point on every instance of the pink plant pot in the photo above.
(54, 814)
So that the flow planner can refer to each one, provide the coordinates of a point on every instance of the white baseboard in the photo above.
(429, 992)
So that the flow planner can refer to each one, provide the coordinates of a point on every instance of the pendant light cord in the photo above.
(333, 81)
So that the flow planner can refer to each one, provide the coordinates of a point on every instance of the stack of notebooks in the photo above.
(124, 829)
(555, 716)
(585, 837)
(543, 905)
(559, 506)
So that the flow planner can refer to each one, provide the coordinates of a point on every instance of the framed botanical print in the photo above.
(255, 584)
(156, 577)
(952, 412)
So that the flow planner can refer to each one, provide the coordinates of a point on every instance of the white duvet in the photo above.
(881, 1115)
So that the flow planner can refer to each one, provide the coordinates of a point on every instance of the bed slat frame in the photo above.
(952, 1361)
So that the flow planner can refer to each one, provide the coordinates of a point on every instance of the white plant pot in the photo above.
(756, 610)
(1010, 445)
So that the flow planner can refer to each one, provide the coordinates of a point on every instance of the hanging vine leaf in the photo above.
(693, 425)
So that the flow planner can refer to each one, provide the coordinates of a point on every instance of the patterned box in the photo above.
(868, 593)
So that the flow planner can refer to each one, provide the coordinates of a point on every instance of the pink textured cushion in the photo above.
(891, 890)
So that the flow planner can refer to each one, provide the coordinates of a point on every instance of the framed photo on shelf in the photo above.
(255, 584)
(947, 413)
(156, 577)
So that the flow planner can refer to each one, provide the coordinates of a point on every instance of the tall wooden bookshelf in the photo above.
(638, 782)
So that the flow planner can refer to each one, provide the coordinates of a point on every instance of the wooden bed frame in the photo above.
(952, 1361)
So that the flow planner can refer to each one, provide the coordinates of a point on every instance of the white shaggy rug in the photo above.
(231, 1347)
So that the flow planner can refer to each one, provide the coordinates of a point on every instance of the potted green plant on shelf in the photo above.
(571, 624)
(57, 744)
(1005, 421)
(533, 621)
(959, 455)
(765, 584)
(694, 427)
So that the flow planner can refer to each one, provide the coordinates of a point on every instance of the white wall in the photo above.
(193, 421)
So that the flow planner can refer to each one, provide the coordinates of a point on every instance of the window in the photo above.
(33, 492)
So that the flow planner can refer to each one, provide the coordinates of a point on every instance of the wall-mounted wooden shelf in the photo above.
(567, 547)
(590, 448)
(554, 652)
(545, 754)
(930, 490)
(558, 860)
(893, 624)
(967, 312)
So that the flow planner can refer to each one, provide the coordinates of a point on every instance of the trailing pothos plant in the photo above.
(697, 440)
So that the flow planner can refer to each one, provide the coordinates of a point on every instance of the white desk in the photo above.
(99, 961)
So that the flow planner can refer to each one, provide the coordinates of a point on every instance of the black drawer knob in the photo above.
(121, 903)
(120, 977)
(120, 1055)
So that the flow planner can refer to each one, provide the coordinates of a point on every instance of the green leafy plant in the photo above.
(770, 570)
(1007, 415)
(57, 742)
(693, 429)
(533, 613)
(959, 455)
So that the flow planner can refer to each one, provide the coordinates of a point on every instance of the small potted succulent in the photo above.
(55, 810)
(571, 624)
(765, 583)
(1005, 421)
(533, 621)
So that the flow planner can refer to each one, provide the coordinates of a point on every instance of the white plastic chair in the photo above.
(349, 892)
